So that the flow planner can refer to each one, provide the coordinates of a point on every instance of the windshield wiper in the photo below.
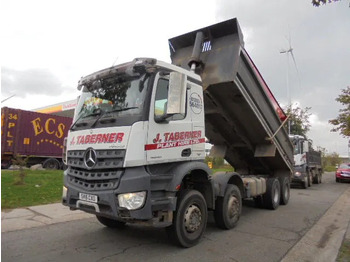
(122, 109)
(97, 112)
(112, 111)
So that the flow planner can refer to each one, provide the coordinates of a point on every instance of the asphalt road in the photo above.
(261, 235)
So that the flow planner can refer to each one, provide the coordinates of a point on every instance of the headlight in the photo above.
(64, 192)
(132, 201)
(297, 174)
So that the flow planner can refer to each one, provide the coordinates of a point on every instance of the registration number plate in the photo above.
(88, 197)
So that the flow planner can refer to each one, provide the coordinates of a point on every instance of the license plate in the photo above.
(88, 197)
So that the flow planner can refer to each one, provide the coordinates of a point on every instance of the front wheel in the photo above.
(190, 218)
(228, 209)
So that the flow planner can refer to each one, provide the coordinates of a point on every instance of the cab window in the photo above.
(161, 101)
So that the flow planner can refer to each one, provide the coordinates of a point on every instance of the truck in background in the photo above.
(39, 136)
(307, 162)
(136, 147)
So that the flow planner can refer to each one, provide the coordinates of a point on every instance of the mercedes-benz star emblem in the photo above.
(90, 158)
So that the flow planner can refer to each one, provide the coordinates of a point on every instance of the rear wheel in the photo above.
(309, 178)
(317, 178)
(5, 164)
(51, 163)
(190, 218)
(228, 208)
(273, 194)
(285, 190)
(108, 222)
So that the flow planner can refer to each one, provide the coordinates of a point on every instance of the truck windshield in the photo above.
(110, 98)
(296, 145)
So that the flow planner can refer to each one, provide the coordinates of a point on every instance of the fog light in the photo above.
(132, 201)
(297, 174)
(64, 192)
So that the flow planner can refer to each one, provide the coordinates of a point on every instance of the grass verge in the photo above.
(40, 187)
(344, 252)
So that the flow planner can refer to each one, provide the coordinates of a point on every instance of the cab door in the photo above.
(169, 139)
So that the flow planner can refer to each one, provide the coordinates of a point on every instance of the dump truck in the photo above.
(135, 151)
(307, 162)
(36, 136)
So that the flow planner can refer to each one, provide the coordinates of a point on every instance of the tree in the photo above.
(330, 161)
(21, 163)
(317, 3)
(342, 122)
(299, 120)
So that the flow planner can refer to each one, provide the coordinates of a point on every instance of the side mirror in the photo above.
(177, 94)
(306, 146)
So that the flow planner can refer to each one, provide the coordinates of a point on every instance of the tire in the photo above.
(110, 222)
(317, 178)
(273, 194)
(228, 209)
(304, 184)
(190, 218)
(6, 164)
(309, 178)
(51, 163)
(337, 180)
(285, 190)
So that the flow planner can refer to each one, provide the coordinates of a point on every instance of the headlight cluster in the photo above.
(297, 174)
(132, 201)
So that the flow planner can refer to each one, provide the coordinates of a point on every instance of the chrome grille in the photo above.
(105, 174)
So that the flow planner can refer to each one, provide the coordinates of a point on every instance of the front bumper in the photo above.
(131, 180)
(342, 177)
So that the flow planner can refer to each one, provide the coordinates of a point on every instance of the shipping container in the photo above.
(37, 135)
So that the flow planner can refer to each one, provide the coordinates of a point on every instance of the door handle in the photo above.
(186, 152)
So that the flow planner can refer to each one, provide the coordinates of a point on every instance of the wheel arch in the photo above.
(194, 175)
(222, 179)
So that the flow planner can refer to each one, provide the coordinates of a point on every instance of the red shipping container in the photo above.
(32, 134)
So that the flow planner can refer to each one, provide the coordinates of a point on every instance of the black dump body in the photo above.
(241, 113)
(314, 159)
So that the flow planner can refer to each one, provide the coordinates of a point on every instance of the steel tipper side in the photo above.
(242, 118)
(240, 111)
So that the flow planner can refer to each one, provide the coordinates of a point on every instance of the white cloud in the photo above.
(70, 39)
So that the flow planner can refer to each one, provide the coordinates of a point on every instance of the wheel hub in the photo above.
(275, 197)
(193, 218)
(233, 207)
